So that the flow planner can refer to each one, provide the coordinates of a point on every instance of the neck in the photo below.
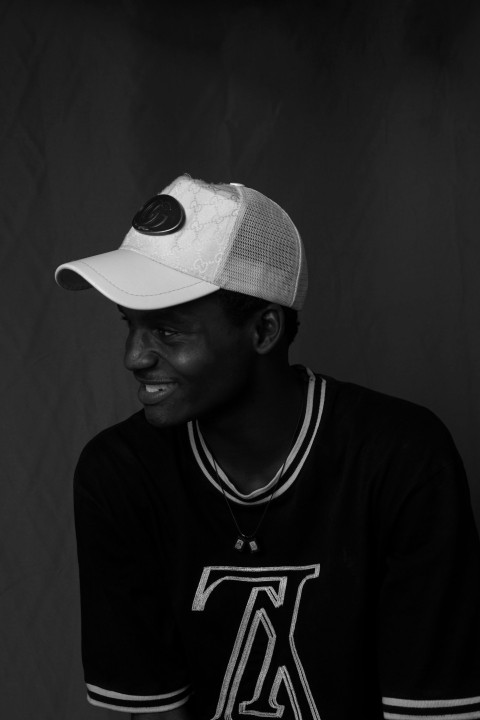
(252, 441)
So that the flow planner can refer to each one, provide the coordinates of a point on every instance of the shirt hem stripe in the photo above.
(401, 702)
(137, 698)
(137, 708)
(455, 716)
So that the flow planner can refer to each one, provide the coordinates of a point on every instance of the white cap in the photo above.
(191, 240)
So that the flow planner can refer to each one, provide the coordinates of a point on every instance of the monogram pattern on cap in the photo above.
(161, 215)
(199, 247)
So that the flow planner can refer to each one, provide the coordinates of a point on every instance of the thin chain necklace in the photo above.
(250, 539)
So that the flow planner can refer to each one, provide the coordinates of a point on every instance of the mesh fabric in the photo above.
(266, 257)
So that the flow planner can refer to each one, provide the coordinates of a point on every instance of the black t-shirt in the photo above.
(363, 602)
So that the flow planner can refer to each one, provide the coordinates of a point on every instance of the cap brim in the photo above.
(132, 280)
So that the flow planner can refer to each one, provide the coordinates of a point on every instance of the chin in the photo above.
(161, 419)
(157, 419)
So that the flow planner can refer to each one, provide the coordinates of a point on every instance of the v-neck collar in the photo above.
(293, 464)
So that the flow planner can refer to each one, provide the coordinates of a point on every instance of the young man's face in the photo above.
(190, 360)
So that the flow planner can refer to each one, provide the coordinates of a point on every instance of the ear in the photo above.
(268, 328)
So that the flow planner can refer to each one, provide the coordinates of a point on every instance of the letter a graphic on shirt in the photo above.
(269, 593)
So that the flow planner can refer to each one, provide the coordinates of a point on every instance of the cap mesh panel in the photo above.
(266, 257)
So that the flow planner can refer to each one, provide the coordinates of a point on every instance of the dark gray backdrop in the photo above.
(361, 118)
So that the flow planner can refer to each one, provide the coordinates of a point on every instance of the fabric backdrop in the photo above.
(361, 118)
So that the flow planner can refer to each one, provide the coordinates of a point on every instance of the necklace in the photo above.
(250, 539)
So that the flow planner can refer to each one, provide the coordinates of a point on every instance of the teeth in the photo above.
(154, 388)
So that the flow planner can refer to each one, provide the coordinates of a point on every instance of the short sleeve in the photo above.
(429, 610)
(132, 656)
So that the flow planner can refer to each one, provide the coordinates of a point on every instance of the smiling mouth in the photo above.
(158, 388)
(153, 393)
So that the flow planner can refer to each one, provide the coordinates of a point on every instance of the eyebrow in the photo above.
(163, 315)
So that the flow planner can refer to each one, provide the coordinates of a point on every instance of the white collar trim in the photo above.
(250, 498)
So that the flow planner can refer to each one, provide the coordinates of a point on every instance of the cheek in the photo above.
(219, 369)
(191, 362)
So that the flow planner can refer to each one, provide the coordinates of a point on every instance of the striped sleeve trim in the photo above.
(136, 703)
(458, 709)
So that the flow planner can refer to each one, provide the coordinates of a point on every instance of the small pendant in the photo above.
(253, 545)
(239, 544)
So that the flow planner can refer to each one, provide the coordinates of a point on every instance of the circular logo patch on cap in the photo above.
(161, 215)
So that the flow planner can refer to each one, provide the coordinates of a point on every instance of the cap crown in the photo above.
(233, 237)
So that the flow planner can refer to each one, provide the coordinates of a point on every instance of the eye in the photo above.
(164, 333)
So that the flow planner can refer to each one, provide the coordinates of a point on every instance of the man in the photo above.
(261, 541)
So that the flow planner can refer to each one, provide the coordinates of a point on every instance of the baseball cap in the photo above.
(192, 239)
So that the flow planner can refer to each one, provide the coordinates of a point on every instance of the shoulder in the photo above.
(399, 456)
(125, 451)
(386, 428)
(353, 402)
(119, 438)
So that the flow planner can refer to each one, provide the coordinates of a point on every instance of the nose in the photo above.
(140, 353)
